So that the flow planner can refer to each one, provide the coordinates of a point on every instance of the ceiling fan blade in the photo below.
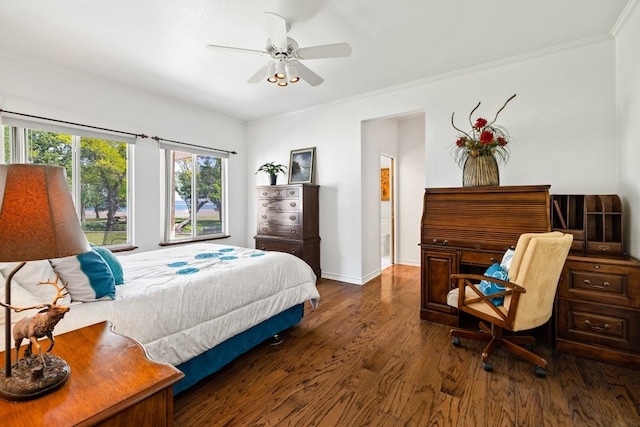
(277, 28)
(260, 75)
(338, 50)
(307, 75)
(237, 49)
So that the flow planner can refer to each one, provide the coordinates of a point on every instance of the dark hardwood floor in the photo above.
(365, 358)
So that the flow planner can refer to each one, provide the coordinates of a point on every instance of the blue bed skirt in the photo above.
(212, 360)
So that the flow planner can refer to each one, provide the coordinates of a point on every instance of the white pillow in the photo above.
(30, 275)
(87, 275)
(20, 297)
(506, 259)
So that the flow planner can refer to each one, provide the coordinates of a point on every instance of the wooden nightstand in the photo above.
(113, 383)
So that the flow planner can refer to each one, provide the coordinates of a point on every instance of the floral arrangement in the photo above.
(485, 139)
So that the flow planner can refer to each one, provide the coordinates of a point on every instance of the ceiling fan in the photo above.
(285, 67)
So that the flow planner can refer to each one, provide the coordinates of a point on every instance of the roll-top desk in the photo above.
(465, 230)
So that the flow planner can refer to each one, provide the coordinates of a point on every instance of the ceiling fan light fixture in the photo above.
(271, 71)
(292, 73)
(280, 72)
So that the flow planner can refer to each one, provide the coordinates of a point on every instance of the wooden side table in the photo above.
(113, 383)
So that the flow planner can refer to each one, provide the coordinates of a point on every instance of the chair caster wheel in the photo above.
(455, 341)
(487, 366)
(540, 372)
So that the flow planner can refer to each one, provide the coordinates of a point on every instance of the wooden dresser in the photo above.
(288, 221)
(597, 311)
(112, 383)
(598, 308)
(465, 230)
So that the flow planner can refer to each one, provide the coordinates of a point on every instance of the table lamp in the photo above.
(37, 221)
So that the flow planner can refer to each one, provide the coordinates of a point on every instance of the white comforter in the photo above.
(182, 301)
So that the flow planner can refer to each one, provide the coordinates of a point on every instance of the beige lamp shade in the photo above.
(37, 216)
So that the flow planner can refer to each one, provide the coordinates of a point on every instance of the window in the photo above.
(97, 171)
(4, 143)
(202, 175)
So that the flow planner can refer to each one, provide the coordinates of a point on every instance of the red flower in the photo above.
(460, 142)
(501, 141)
(486, 137)
(480, 123)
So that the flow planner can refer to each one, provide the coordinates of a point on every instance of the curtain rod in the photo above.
(141, 135)
(157, 138)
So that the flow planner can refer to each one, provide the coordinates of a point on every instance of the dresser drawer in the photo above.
(599, 325)
(280, 218)
(601, 283)
(615, 247)
(279, 193)
(480, 257)
(292, 231)
(275, 205)
(279, 246)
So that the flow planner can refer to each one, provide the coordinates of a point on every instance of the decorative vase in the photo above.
(274, 179)
(480, 171)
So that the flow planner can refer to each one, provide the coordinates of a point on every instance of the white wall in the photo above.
(378, 137)
(628, 115)
(32, 88)
(410, 186)
(563, 120)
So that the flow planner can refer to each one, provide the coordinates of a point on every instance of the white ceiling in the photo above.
(159, 46)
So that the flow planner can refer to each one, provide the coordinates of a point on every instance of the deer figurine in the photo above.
(40, 324)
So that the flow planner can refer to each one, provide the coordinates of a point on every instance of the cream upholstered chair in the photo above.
(528, 297)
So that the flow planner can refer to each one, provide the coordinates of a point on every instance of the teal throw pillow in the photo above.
(112, 261)
(489, 288)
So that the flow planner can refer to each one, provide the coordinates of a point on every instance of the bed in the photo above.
(195, 306)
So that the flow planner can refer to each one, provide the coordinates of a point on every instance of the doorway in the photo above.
(387, 211)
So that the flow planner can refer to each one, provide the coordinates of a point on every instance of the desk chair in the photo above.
(527, 297)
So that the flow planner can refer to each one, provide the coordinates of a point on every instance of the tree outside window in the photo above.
(102, 180)
(200, 215)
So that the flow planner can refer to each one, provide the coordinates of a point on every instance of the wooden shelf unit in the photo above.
(603, 223)
(594, 220)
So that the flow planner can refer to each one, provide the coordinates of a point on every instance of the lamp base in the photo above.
(30, 379)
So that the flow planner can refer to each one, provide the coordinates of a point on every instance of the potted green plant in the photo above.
(272, 170)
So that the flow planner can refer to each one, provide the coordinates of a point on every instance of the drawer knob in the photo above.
(293, 231)
(262, 247)
(264, 204)
(265, 229)
(292, 251)
(292, 217)
(277, 193)
(264, 193)
(292, 192)
(597, 328)
(492, 259)
(293, 204)
(588, 283)
(264, 217)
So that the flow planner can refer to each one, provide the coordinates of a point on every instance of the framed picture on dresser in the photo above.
(302, 165)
